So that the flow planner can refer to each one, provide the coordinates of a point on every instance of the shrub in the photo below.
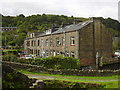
(60, 62)
(53, 62)
(14, 79)
(71, 85)
(56, 62)
(11, 58)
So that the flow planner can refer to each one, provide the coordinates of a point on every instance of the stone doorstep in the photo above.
(34, 84)
(39, 81)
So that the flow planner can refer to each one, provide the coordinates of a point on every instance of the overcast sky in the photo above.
(76, 8)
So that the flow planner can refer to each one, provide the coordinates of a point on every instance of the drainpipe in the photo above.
(94, 45)
(64, 42)
(51, 45)
(78, 44)
(97, 58)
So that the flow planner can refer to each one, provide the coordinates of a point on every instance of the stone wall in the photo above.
(95, 42)
(57, 48)
(91, 41)
(48, 84)
(75, 72)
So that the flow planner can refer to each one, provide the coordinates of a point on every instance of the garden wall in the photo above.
(35, 68)
(49, 84)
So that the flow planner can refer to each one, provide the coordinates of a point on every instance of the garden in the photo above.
(53, 62)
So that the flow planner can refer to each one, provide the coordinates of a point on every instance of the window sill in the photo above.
(72, 45)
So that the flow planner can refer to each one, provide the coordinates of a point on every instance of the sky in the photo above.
(76, 8)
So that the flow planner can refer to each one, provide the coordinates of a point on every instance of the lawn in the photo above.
(109, 81)
(9, 50)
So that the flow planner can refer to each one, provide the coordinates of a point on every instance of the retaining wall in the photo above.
(34, 68)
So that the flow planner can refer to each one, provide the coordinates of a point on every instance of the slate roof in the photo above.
(68, 28)
(73, 27)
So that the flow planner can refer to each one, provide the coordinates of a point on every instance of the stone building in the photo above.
(4, 29)
(89, 41)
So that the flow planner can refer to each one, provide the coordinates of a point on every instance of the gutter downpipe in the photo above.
(64, 43)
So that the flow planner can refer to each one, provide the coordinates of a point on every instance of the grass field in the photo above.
(109, 81)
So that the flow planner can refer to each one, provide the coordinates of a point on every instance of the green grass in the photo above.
(86, 79)
(9, 50)
(111, 84)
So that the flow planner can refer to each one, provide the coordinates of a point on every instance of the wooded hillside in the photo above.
(38, 23)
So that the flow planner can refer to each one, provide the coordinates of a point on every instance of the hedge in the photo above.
(13, 79)
(53, 62)
(71, 85)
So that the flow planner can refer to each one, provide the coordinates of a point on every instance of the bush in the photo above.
(71, 85)
(53, 62)
(11, 58)
(59, 62)
(14, 79)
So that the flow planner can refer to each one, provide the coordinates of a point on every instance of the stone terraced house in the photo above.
(5, 29)
(89, 41)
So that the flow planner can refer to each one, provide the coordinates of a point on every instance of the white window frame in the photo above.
(51, 52)
(67, 54)
(54, 53)
(42, 42)
(57, 53)
(72, 40)
(51, 42)
(46, 53)
(57, 41)
(72, 53)
(47, 42)
(34, 42)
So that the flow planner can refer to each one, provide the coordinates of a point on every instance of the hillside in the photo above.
(38, 23)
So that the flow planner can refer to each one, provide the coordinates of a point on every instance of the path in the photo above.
(60, 77)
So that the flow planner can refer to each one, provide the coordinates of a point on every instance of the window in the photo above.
(72, 54)
(46, 42)
(51, 52)
(57, 42)
(54, 53)
(32, 35)
(32, 43)
(67, 54)
(63, 41)
(51, 41)
(38, 53)
(46, 53)
(38, 42)
(28, 43)
(29, 51)
(43, 53)
(35, 52)
(57, 53)
(32, 51)
(42, 43)
(72, 41)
